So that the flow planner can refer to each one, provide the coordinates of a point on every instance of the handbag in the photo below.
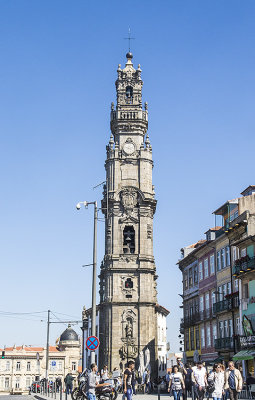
(211, 385)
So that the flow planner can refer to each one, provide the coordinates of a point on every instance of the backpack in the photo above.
(211, 384)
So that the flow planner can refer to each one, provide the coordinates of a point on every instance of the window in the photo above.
(192, 342)
(202, 337)
(195, 274)
(207, 301)
(230, 328)
(238, 326)
(212, 268)
(221, 329)
(245, 291)
(18, 366)
(226, 330)
(235, 256)
(208, 336)
(187, 340)
(73, 366)
(7, 383)
(17, 382)
(229, 288)
(236, 285)
(206, 267)
(60, 365)
(227, 256)
(220, 293)
(28, 381)
(28, 366)
(223, 261)
(185, 278)
(8, 366)
(190, 277)
(243, 252)
(224, 290)
(128, 240)
(201, 303)
(200, 271)
(197, 338)
(214, 329)
(213, 298)
(218, 261)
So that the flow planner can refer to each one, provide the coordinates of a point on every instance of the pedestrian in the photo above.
(133, 381)
(128, 379)
(176, 383)
(233, 381)
(199, 376)
(58, 384)
(216, 382)
(69, 383)
(105, 373)
(188, 380)
(167, 378)
(147, 382)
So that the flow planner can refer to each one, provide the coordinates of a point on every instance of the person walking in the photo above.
(128, 373)
(216, 382)
(133, 381)
(199, 376)
(105, 373)
(176, 383)
(69, 383)
(188, 380)
(233, 381)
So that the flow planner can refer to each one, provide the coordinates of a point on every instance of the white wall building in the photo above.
(23, 365)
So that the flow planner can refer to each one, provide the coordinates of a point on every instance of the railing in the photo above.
(208, 313)
(244, 264)
(229, 303)
(224, 343)
(182, 326)
(191, 319)
(129, 115)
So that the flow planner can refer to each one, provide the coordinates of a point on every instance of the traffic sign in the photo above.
(92, 343)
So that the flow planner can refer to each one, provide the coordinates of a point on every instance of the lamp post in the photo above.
(94, 293)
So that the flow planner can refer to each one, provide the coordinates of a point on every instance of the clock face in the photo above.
(129, 148)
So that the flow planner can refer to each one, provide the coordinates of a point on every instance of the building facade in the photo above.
(23, 365)
(128, 280)
(226, 284)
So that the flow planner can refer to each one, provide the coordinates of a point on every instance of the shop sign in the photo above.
(247, 342)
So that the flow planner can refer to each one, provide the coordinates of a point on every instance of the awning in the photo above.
(244, 355)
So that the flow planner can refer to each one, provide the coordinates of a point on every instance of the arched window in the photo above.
(129, 94)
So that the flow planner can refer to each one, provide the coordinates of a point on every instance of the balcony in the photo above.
(182, 326)
(244, 264)
(230, 302)
(191, 320)
(226, 343)
(208, 313)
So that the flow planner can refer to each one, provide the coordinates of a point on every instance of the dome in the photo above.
(129, 55)
(69, 334)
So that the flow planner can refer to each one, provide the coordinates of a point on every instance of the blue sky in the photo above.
(57, 71)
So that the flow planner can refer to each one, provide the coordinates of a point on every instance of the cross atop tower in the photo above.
(129, 38)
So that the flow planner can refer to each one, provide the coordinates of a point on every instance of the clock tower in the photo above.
(128, 295)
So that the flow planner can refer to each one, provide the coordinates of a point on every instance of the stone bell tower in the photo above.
(128, 296)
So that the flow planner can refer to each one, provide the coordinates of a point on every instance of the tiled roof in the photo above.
(28, 348)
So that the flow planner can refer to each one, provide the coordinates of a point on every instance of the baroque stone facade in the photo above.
(128, 289)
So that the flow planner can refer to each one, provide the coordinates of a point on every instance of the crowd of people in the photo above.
(219, 383)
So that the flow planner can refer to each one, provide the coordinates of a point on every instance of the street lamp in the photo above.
(94, 293)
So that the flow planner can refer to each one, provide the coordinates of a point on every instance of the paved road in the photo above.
(13, 397)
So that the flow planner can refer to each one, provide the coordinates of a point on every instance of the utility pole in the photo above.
(47, 346)
(94, 281)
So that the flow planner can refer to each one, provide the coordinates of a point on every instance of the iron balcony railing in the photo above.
(244, 264)
(229, 303)
(191, 320)
(224, 343)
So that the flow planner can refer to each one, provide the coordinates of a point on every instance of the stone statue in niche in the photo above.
(129, 329)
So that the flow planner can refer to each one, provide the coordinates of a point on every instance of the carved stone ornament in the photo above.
(149, 231)
(128, 258)
(129, 350)
(128, 198)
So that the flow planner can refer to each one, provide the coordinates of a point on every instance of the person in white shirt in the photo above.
(200, 379)
(176, 383)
